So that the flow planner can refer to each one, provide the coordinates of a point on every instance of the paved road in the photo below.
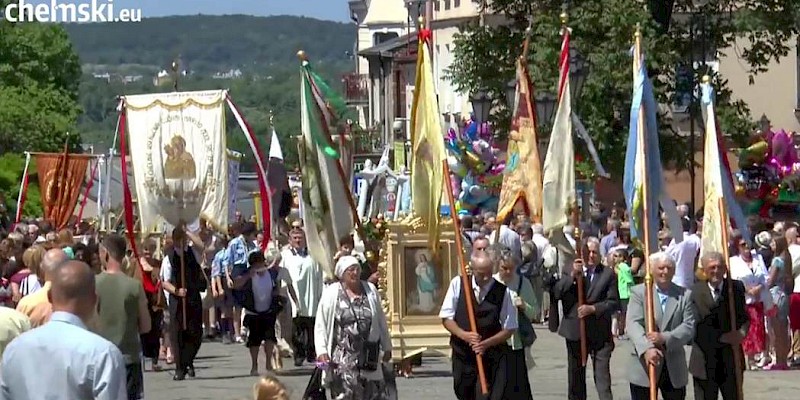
(222, 374)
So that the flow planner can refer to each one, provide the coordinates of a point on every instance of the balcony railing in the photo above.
(356, 87)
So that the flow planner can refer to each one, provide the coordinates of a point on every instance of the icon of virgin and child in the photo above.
(179, 163)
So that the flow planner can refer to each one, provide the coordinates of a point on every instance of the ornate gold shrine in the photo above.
(411, 299)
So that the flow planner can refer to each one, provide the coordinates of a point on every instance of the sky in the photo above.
(335, 10)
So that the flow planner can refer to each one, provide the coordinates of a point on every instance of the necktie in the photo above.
(716, 295)
(663, 302)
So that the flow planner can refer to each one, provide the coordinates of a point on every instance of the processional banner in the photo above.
(234, 161)
(179, 157)
(61, 178)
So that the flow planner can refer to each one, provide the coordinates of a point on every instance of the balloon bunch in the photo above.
(475, 167)
(769, 173)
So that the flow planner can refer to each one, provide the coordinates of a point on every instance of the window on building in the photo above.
(382, 37)
(446, 4)
(436, 5)
(456, 3)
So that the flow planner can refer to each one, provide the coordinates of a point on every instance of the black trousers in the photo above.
(134, 381)
(710, 389)
(466, 384)
(186, 342)
(303, 339)
(576, 378)
(668, 392)
(721, 376)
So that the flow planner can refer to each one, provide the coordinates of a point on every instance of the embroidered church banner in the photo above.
(180, 161)
(61, 178)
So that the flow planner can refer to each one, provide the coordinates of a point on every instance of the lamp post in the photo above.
(481, 105)
(578, 71)
(545, 108)
(511, 94)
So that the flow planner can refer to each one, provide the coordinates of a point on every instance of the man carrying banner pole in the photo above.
(658, 337)
(716, 362)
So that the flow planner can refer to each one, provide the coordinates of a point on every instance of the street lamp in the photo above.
(481, 105)
(578, 71)
(545, 108)
(415, 11)
(511, 93)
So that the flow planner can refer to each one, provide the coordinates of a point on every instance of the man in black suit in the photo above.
(711, 363)
(601, 302)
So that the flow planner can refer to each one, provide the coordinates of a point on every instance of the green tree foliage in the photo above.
(39, 75)
(602, 31)
(11, 168)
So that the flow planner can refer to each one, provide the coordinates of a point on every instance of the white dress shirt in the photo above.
(508, 313)
(62, 360)
(307, 281)
(751, 277)
(684, 254)
(794, 252)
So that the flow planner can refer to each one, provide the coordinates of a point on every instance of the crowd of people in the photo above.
(689, 286)
(112, 312)
(184, 289)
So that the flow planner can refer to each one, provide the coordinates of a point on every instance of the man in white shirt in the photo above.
(507, 237)
(307, 280)
(538, 238)
(496, 320)
(63, 360)
(685, 255)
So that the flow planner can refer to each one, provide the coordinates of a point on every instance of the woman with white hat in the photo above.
(352, 336)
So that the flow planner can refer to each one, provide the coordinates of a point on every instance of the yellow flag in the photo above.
(522, 178)
(427, 175)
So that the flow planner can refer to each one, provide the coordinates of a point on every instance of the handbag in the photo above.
(369, 357)
(314, 389)
(525, 327)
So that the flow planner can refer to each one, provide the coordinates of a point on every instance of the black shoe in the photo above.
(190, 371)
(179, 376)
(298, 362)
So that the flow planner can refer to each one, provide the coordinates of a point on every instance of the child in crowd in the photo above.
(624, 284)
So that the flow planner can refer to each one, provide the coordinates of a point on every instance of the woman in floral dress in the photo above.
(349, 318)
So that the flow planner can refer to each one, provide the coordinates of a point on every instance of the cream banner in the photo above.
(179, 157)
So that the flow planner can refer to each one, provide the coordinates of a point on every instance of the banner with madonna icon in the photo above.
(179, 157)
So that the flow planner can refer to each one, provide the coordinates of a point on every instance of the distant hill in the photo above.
(121, 59)
(208, 44)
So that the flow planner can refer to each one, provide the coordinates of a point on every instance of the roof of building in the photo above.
(387, 48)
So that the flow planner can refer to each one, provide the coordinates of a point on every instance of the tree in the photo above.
(39, 78)
(602, 33)
(11, 169)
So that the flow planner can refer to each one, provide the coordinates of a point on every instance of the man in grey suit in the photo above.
(675, 316)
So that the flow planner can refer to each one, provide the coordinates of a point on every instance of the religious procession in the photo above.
(344, 278)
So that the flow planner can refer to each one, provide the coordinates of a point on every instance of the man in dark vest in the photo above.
(601, 302)
(711, 362)
(186, 339)
(496, 321)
